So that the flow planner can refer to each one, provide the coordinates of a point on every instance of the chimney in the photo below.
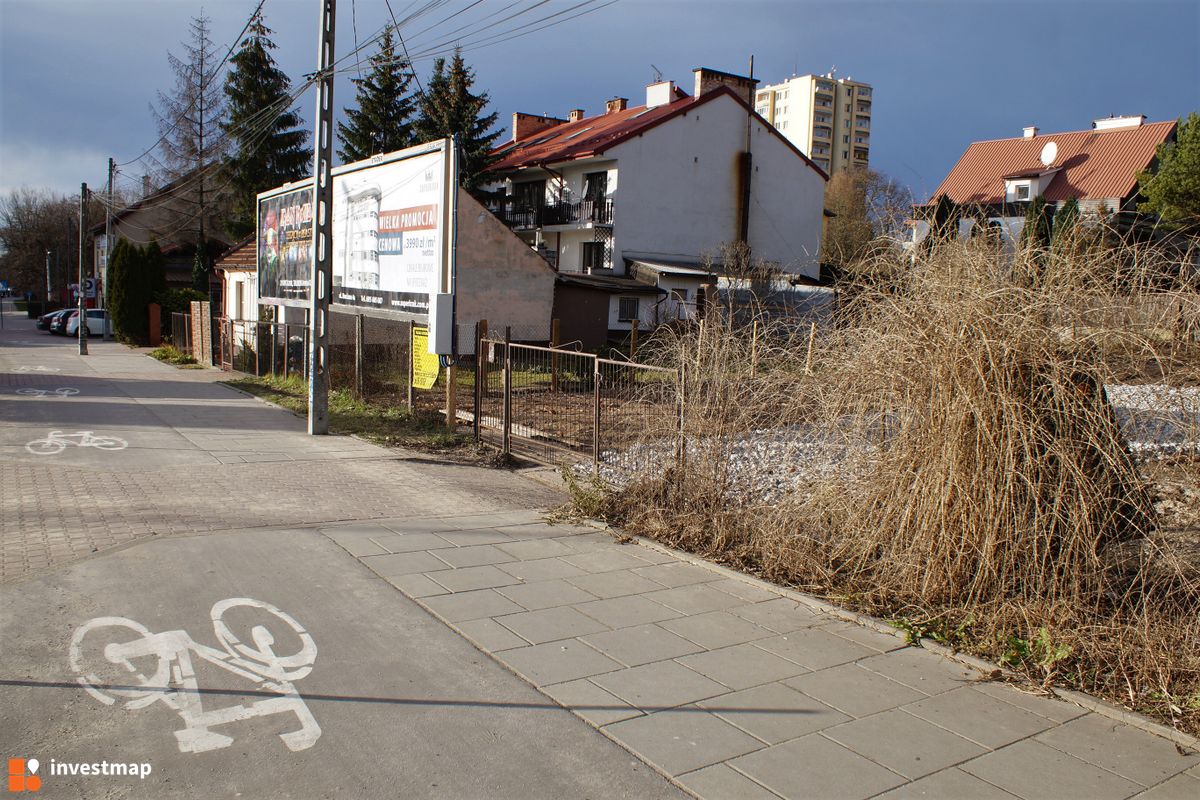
(706, 80)
(616, 104)
(528, 124)
(1030, 132)
(145, 186)
(575, 115)
(659, 94)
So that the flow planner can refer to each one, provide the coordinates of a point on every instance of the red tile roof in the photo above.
(594, 135)
(1092, 164)
(241, 256)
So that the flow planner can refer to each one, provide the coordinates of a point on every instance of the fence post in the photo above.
(555, 341)
(633, 333)
(451, 396)
(681, 454)
(409, 388)
(359, 326)
(812, 334)
(596, 415)
(274, 346)
(287, 343)
(507, 390)
(480, 374)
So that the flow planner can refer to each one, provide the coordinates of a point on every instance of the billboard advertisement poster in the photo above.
(425, 365)
(285, 245)
(387, 234)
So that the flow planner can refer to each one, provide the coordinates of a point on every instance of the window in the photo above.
(679, 295)
(847, 106)
(593, 256)
(847, 124)
(1023, 192)
(845, 154)
(531, 194)
(627, 309)
(595, 186)
(846, 139)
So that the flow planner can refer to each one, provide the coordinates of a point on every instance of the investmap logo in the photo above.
(22, 775)
(23, 772)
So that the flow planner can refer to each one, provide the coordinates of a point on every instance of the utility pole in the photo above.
(83, 196)
(322, 240)
(112, 168)
(48, 289)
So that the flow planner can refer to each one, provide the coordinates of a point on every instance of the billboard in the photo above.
(388, 237)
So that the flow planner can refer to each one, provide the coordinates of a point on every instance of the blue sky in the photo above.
(77, 76)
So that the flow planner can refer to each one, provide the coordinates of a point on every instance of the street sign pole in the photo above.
(322, 240)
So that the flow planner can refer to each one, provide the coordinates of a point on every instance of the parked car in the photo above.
(58, 322)
(43, 322)
(97, 322)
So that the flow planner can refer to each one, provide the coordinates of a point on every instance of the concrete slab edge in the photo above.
(1094, 704)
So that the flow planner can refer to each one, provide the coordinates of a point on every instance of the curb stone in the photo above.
(984, 667)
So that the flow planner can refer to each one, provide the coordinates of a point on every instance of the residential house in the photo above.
(237, 270)
(1096, 167)
(632, 206)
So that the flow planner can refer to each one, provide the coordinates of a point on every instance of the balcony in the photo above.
(526, 216)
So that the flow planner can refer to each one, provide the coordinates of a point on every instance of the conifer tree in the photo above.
(382, 123)
(1066, 218)
(1172, 187)
(448, 107)
(267, 144)
(1036, 233)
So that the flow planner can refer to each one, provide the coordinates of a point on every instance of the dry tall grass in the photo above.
(945, 454)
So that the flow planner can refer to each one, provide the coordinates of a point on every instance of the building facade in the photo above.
(647, 195)
(827, 117)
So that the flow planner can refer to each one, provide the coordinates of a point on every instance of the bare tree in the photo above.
(33, 222)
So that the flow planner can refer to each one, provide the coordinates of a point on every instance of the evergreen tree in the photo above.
(267, 146)
(1172, 189)
(1066, 219)
(943, 222)
(129, 291)
(382, 123)
(1036, 233)
(448, 107)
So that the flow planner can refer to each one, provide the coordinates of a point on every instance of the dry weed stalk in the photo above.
(954, 460)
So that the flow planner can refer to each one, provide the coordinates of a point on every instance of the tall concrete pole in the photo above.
(322, 240)
(48, 288)
(83, 196)
(112, 168)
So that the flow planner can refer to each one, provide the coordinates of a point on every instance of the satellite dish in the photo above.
(1049, 153)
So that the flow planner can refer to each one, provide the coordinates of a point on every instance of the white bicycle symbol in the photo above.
(57, 441)
(37, 369)
(63, 392)
(163, 666)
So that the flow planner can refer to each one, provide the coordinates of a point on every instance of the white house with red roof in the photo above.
(637, 201)
(1096, 167)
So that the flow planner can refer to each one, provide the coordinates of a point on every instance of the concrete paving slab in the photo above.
(781, 615)
(550, 624)
(716, 629)
(543, 569)
(543, 548)
(490, 635)
(947, 785)
(591, 702)
(605, 561)
(640, 644)
(979, 717)
(683, 740)
(472, 555)
(557, 662)
(721, 782)
(471, 578)
(695, 599)
(774, 713)
(545, 594)
(904, 743)
(813, 766)
(855, 690)
(678, 574)
(742, 666)
(416, 585)
(1051, 708)
(1119, 748)
(622, 612)
(744, 590)
(1030, 769)
(410, 542)
(613, 584)
(463, 606)
(663, 684)
(924, 671)
(815, 648)
(1181, 787)
(395, 564)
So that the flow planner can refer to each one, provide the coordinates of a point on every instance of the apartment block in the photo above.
(827, 117)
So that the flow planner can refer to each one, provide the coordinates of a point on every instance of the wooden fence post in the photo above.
(754, 350)
(812, 335)
(633, 336)
(451, 396)
(555, 340)
(480, 374)
(409, 381)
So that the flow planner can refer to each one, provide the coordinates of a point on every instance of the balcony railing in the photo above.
(524, 216)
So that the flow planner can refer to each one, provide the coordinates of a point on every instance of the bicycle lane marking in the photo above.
(56, 442)
(173, 680)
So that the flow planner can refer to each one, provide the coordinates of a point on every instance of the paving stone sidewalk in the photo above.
(736, 691)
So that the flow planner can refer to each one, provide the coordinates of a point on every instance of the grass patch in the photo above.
(170, 354)
(388, 425)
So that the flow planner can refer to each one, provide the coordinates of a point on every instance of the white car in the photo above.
(98, 323)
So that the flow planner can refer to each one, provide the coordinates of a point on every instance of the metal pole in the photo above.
(359, 366)
(480, 374)
(112, 168)
(507, 390)
(596, 414)
(83, 343)
(48, 289)
(322, 244)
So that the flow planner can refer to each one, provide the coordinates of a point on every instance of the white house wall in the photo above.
(678, 195)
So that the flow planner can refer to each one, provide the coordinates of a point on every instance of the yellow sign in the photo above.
(425, 365)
